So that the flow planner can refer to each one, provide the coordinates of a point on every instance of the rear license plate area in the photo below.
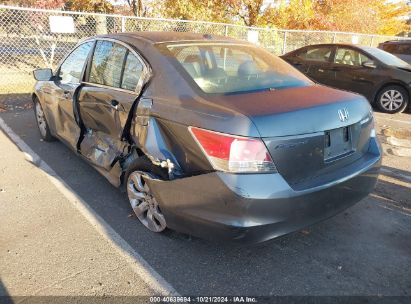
(337, 143)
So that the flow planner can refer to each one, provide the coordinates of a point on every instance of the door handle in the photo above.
(321, 70)
(360, 79)
(114, 104)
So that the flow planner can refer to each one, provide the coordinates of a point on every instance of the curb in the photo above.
(398, 139)
(396, 132)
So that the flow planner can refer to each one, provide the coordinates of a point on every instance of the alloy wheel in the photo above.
(144, 205)
(391, 100)
(41, 120)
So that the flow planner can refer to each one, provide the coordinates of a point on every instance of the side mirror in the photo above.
(369, 64)
(43, 74)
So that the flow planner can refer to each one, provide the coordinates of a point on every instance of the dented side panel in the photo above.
(102, 149)
(58, 103)
(167, 144)
(102, 141)
(98, 110)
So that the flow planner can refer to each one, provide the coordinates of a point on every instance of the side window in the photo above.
(348, 56)
(132, 72)
(107, 63)
(404, 49)
(316, 54)
(390, 48)
(70, 70)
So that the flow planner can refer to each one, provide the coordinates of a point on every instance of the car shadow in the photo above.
(330, 258)
(399, 174)
(396, 188)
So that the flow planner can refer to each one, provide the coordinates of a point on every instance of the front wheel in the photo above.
(392, 99)
(42, 122)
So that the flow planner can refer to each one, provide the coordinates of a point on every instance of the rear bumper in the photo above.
(252, 208)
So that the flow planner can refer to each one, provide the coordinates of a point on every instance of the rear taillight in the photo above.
(233, 153)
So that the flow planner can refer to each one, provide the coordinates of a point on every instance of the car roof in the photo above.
(404, 41)
(330, 45)
(160, 37)
(336, 44)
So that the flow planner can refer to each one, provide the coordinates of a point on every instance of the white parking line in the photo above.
(139, 265)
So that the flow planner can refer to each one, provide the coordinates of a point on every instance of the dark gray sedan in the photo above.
(380, 76)
(208, 135)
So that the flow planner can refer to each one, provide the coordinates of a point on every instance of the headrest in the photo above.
(247, 68)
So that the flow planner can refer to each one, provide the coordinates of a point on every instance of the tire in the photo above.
(392, 99)
(142, 200)
(42, 124)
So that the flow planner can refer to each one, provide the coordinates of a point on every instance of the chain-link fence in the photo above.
(28, 42)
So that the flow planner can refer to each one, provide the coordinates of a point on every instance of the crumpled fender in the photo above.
(151, 139)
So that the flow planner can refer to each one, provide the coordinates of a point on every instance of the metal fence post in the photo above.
(101, 24)
(284, 43)
(334, 37)
(372, 40)
(123, 24)
(226, 30)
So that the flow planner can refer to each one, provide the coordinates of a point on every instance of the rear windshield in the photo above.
(233, 68)
(398, 48)
(386, 57)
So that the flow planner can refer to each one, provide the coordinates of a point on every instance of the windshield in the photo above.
(234, 68)
(386, 57)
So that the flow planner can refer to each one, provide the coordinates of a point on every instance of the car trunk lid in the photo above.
(299, 110)
(310, 132)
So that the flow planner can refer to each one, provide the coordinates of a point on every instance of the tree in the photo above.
(46, 4)
(363, 16)
(293, 14)
(99, 6)
(137, 7)
(206, 10)
(246, 12)
(249, 11)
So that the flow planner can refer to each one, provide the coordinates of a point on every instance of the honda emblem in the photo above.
(343, 114)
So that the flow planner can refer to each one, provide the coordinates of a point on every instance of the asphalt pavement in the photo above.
(365, 250)
(47, 247)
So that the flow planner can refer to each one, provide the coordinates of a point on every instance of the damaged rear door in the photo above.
(113, 84)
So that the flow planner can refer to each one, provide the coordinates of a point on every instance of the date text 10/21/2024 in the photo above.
(203, 299)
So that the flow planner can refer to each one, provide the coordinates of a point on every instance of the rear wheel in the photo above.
(392, 99)
(144, 204)
(42, 122)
